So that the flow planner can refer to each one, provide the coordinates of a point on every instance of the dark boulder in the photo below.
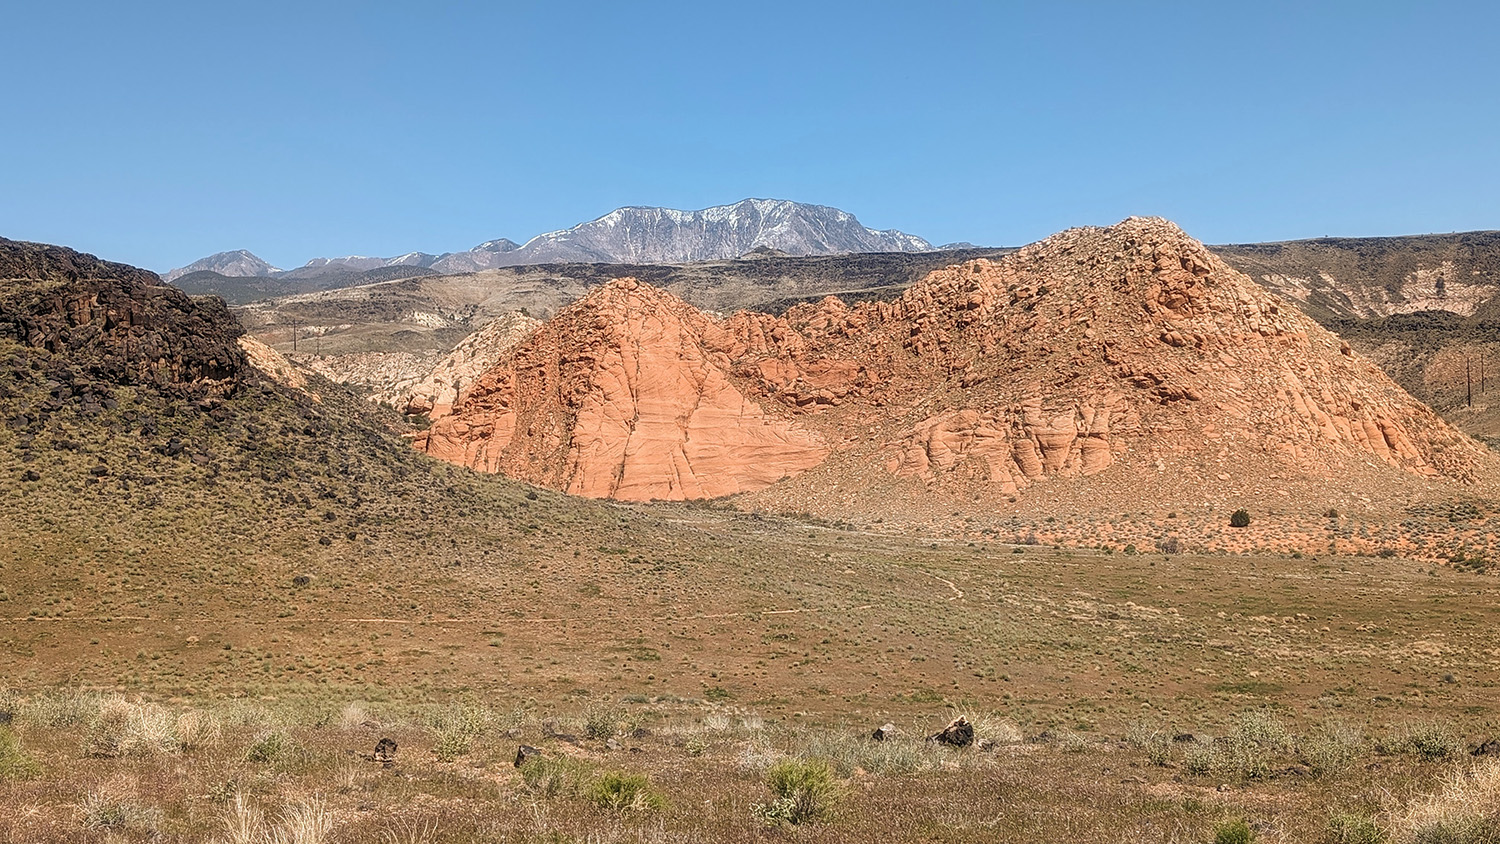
(385, 752)
(525, 753)
(958, 733)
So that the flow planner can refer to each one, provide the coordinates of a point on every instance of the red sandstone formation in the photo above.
(625, 394)
(1094, 348)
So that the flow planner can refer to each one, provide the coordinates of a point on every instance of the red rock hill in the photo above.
(1096, 351)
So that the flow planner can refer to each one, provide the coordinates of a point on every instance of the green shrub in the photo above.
(546, 777)
(805, 790)
(103, 811)
(624, 793)
(602, 722)
(15, 763)
(1257, 739)
(457, 728)
(1347, 828)
(272, 746)
(1235, 831)
(1239, 519)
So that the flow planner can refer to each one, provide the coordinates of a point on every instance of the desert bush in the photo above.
(1349, 828)
(1256, 740)
(624, 792)
(847, 751)
(1239, 519)
(457, 727)
(270, 746)
(547, 777)
(1431, 741)
(1332, 748)
(194, 730)
(1202, 759)
(805, 790)
(1150, 740)
(125, 728)
(602, 722)
(101, 810)
(1233, 831)
(15, 763)
(243, 823)
(304, 823)
(1465, 810)
(54, 710)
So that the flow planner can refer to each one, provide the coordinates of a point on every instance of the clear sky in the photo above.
(157, 133)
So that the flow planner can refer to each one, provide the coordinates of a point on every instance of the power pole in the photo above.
(1468, 383)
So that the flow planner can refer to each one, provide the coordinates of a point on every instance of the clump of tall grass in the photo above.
(15, 762)
(301, 823)
(1465, 810)
(806, 791)
(121, 727)
(624, 792)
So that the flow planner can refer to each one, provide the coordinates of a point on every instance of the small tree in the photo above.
(1240, 518)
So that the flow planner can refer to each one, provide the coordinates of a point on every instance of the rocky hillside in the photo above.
(1337, 279)
(436, 391)
(94, 323)
(1130, 361)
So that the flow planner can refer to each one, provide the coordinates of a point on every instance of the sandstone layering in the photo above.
(1096, 351)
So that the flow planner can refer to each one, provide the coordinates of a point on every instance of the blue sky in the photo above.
(156, 133)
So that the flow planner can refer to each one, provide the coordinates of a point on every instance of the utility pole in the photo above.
(1468, 383)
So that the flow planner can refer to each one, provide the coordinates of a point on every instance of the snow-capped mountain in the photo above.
(237, 263)
(628, 235)
(668, 236)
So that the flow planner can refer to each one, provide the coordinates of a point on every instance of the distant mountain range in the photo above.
(626, 235)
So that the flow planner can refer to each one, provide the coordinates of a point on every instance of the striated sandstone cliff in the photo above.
(625, 395)
(1096, 351)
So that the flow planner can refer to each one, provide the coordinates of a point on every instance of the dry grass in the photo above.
(1465, 810)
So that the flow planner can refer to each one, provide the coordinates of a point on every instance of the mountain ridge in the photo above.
(636, 233)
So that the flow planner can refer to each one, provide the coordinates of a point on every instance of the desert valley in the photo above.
(1115, 536)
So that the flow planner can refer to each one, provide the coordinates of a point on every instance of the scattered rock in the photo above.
(301, 580)
(30, 475)
(958, 733)
(612, 744)
(385, 752)
(525, 753)
(883, 732)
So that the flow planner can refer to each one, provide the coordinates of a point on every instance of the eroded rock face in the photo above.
(117, 323)
(624, 395)
(437, 390)
(1095, 351)
(273, 364)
